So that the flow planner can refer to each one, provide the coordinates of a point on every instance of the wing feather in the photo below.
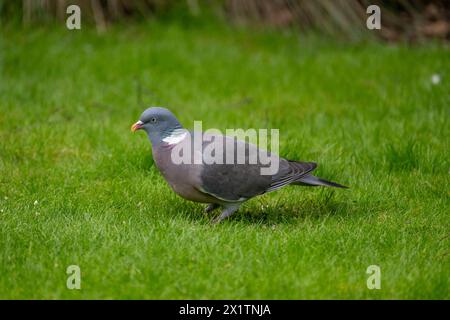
(289, 172)
(239, 182)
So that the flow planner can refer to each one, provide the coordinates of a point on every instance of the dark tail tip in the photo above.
(332, 184)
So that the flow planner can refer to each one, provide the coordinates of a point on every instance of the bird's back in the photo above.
(230, 170)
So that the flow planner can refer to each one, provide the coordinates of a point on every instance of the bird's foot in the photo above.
(216, 220)
(228, 211)
(211, 207)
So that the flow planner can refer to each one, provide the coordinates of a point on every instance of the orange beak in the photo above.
(136, 126)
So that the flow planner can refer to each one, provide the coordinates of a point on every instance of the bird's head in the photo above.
(158, 123)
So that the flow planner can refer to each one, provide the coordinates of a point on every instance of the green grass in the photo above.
(367, 113)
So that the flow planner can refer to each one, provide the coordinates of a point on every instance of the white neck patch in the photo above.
(175, 137)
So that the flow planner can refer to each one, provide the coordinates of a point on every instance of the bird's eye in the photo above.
(153, 120)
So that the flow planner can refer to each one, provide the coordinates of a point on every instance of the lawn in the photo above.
(77, 188)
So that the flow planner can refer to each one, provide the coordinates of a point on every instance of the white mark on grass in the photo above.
(374, 280)
(74, 279)
(435, 79)
(35, 202)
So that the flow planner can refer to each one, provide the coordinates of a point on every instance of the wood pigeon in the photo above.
(224, 183)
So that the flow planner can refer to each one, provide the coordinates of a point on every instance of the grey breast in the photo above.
(184, 178)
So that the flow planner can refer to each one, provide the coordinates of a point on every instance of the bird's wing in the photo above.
(290, 171)
(239, 182)
(234, 182)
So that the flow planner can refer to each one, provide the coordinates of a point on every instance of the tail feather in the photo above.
(310, 180)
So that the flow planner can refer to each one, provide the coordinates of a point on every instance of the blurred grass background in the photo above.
(77, 188)
(411, 20)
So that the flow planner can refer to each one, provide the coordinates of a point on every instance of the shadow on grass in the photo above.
(273, 211)
(291, 214)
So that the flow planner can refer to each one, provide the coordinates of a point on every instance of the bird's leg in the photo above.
(211, 207)
(228, 211)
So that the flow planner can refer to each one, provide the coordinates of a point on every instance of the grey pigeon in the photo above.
(221, 184)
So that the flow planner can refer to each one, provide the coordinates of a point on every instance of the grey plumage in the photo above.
(220, 185)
